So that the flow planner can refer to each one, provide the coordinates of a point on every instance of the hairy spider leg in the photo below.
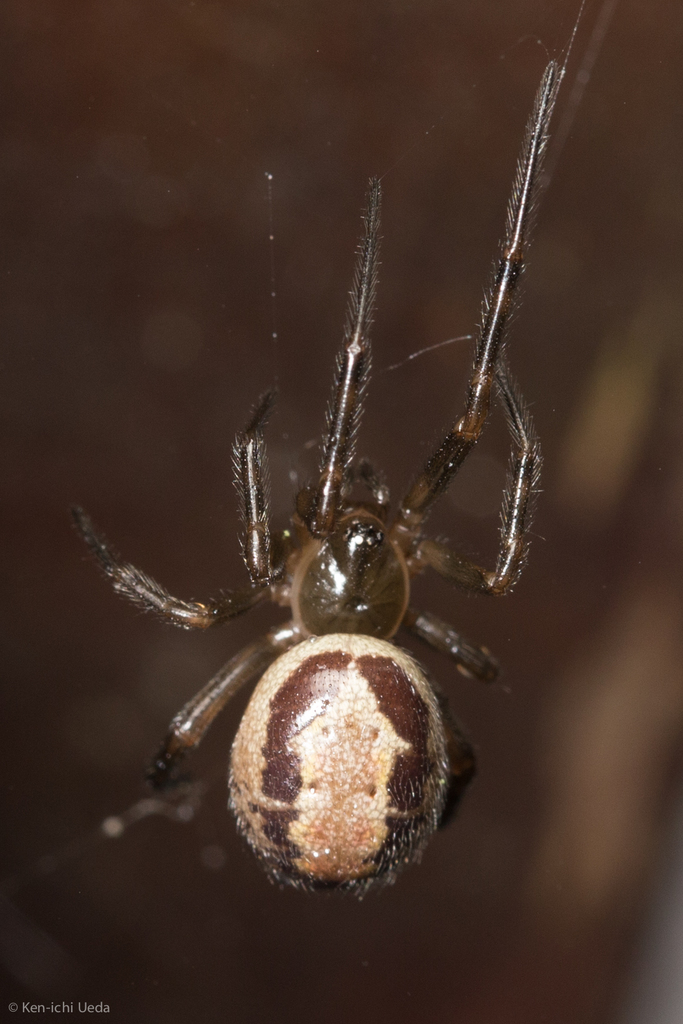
(190, 724)
(149, 595)
(524, 475)
(470, 659)
(252, 482)
(353, 366)
(456, 446)
(518, 501)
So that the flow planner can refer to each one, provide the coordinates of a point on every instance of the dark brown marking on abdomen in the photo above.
(275, 828)
(404, 707)
(316, 679)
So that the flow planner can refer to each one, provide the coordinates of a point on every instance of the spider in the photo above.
(346, 759)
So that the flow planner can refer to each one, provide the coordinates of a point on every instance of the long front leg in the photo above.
(518, 501)
(149, 595)
(446, 461)
(190, 724)
(353, 365)
(253, 485)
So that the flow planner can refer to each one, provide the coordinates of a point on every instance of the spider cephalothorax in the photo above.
(353, 581)
(346, 760)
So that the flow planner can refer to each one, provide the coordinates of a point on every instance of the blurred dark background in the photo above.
(136, 324)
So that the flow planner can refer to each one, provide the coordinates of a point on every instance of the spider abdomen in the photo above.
(339, 770)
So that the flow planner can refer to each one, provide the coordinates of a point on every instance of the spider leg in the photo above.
(253, 489)
(190, 724)
(461, 761)
(521, 488)
(149, 595)
(353, 365)
(446, 461)
(518, 500)
(470, 659)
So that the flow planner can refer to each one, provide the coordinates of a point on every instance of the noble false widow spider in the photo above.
(346, 760)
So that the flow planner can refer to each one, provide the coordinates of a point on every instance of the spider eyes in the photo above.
(363, 535)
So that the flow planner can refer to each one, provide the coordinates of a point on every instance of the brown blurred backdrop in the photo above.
(136, 323)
